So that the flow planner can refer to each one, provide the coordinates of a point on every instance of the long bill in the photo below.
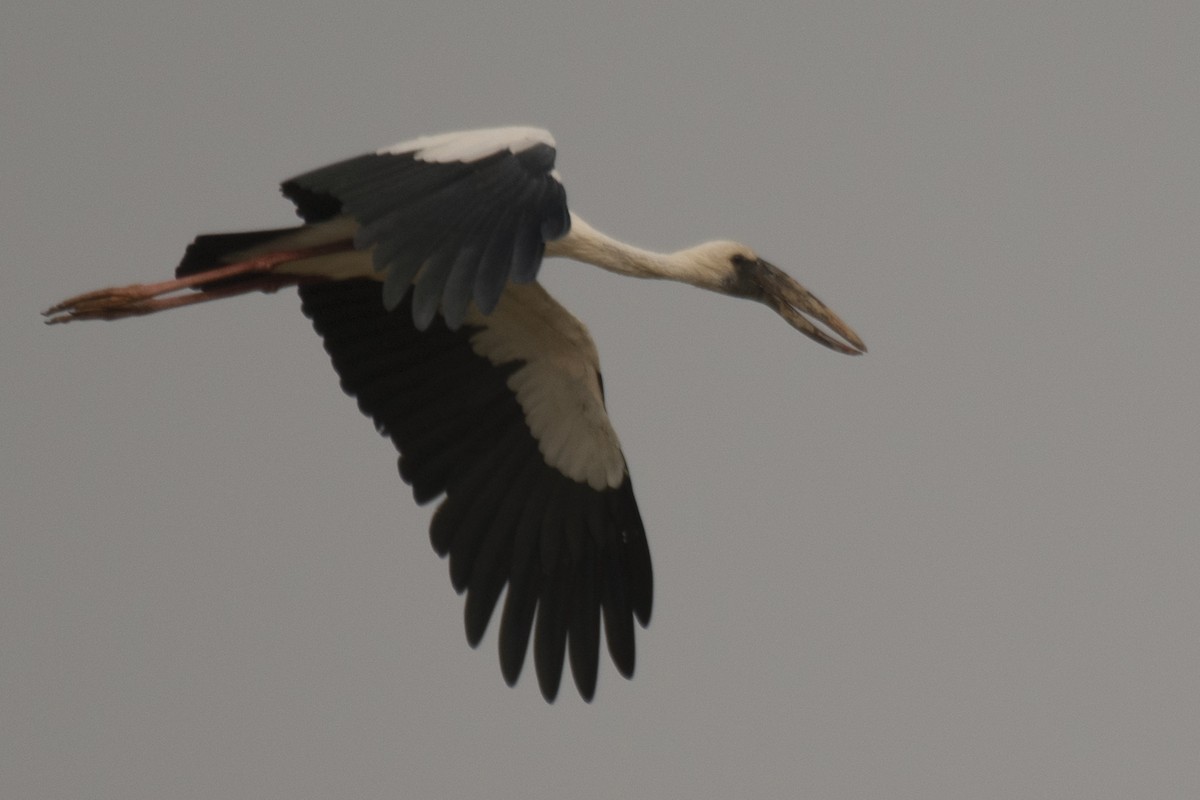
(793, 302)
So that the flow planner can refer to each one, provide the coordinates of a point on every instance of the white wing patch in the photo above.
(558, 387)
(467, 146)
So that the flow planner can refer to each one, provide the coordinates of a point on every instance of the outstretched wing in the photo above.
(461, 214)
(505, 417)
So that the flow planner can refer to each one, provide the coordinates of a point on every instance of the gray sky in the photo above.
(965, 565)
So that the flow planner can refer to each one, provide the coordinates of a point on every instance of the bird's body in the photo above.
(418, 264)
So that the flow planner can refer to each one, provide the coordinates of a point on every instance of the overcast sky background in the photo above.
(964, 565)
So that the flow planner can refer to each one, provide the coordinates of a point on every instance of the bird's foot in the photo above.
(113, 303)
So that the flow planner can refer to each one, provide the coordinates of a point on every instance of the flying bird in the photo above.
(418, 266)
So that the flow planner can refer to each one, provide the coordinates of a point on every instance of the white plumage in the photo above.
(560, 373)
(468, 146)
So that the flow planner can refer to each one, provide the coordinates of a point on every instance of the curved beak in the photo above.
(797, 305)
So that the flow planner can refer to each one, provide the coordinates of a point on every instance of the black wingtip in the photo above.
(574, 555)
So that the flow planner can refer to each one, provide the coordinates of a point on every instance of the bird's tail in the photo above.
(212, 250)
(315, 250)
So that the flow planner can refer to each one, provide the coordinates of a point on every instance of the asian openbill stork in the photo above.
(489, 388)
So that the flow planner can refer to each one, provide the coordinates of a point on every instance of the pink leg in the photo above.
(146, 298)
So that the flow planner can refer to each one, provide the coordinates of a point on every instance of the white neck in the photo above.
(585, 243)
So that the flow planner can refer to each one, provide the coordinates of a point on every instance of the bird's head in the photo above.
(735, 269)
